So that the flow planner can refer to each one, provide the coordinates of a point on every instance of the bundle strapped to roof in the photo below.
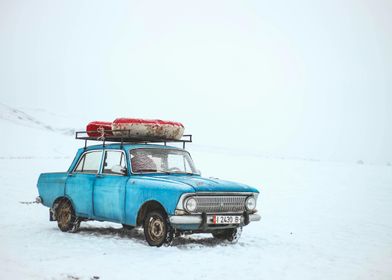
(126, 137)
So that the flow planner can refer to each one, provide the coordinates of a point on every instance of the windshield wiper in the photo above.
(146, 170)
(179, 172)
(164, 172)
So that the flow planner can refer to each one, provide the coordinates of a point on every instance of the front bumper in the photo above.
(203, 221)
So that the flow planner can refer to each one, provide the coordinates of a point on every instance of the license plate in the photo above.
(226, 219)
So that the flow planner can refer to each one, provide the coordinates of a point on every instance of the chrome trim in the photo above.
(246, 204)
(254, 217)
(180, 204)
(80, 158)
(177, 220)
(186, 201)
(197, 219)
(103, 158)
(152, 172)
(220, 203)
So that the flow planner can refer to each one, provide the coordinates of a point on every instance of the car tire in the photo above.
(67, 221)
(232, 235)
(157, 229)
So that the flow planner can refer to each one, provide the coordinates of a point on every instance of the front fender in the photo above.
(141, 190)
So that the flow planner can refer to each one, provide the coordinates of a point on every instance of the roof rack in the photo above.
(126, 139)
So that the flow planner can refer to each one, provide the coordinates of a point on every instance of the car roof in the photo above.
(128, 147)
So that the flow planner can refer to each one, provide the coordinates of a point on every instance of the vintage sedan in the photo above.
(150, 185)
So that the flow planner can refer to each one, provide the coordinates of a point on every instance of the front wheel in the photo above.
(66, 218)
(157, 230)
(232, 235)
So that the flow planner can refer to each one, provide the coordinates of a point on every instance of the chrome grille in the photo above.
(217, 204)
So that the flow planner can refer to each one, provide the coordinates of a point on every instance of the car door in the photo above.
(80, 182)
(109, 188)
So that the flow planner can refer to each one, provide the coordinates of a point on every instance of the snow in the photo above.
(320, 220)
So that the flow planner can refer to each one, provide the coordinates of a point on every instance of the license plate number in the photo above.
(226, 219)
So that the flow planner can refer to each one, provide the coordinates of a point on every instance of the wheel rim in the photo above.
(156, 228)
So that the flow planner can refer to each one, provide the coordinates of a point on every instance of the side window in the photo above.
(114, 163)
(89, 163)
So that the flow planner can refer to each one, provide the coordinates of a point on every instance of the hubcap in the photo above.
(156, 228)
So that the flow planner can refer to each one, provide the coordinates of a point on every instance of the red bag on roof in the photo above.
(147, 128)
(98, 129)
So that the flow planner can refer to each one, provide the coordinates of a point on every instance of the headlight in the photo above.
(190, 204)
(250, 203)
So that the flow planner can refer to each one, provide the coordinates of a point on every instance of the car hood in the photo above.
(201, 184)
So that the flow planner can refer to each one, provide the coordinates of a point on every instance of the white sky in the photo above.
(300, 78)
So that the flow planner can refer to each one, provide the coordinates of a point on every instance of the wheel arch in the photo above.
(148, 206)
(60, 199)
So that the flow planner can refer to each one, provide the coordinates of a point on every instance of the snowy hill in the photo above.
(26, 135)
(19, 117)
(320, 220)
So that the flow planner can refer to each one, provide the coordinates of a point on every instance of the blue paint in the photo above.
(117, 198)
(142, 188)
(51, 185)
(109, 194)
(79, 187)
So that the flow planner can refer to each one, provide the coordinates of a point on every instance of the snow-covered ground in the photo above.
(320, 220)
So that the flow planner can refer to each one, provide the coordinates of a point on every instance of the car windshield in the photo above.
(153, 160)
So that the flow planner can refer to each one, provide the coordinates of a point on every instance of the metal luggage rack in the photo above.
(127, 139)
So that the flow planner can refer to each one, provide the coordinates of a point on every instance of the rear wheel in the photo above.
(66, 218)
(232, 235)
(157, 230)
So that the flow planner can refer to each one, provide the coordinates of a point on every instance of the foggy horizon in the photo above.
(304, 79)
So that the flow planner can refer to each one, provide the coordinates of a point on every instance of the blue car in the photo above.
(156, 186)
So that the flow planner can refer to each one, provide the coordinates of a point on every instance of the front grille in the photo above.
(218, 204)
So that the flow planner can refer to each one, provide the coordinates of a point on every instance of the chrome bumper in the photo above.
(197, 219)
